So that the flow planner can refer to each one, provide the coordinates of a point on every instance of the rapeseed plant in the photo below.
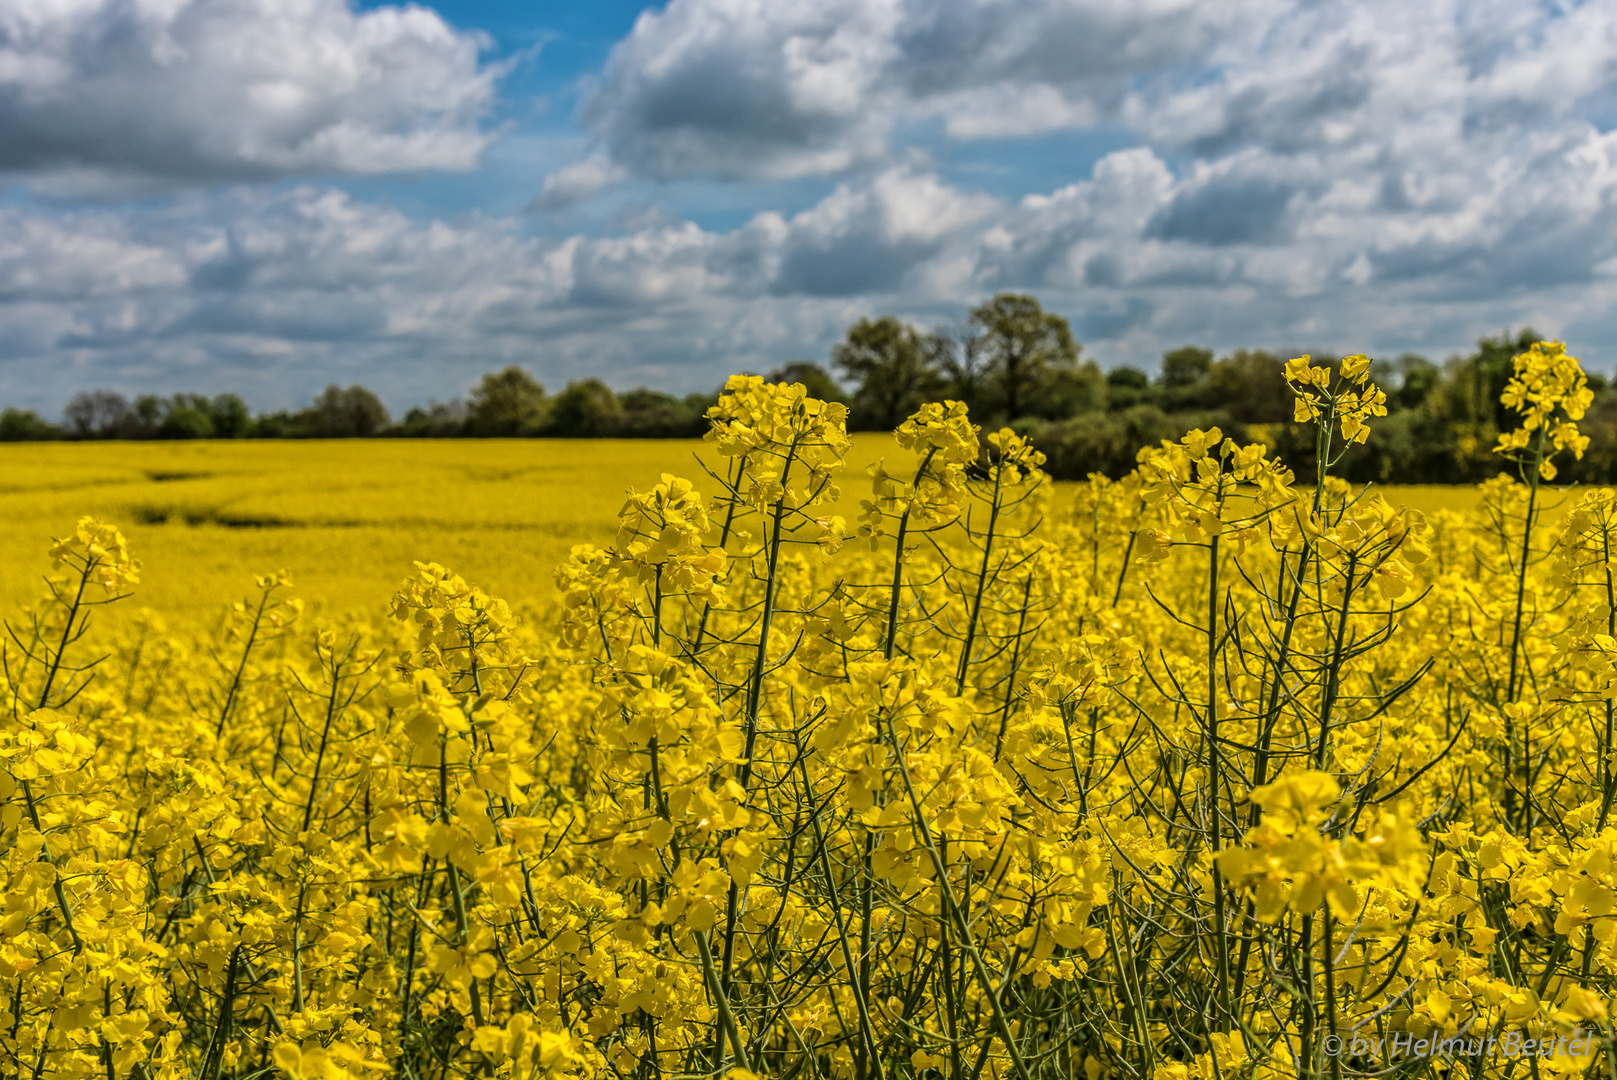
(1200, 773)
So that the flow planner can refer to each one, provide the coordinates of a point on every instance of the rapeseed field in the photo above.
(347, 516)
(802, 770)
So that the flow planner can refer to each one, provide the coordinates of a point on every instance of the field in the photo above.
(349, 517)
(1212, 772)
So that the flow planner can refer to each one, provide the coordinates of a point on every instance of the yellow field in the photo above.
(348, 517)
(1201, 774)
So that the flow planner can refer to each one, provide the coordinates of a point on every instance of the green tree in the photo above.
(509, 402)
(894, 365)
(1488, 370)
(1417, 376)
(339, 414)
(652, 414)
(99, 414)
(22, 425)
(1251, 385)
(960, 360)
(149, 410)
(1185, 366)
(1466, 392)
(1127, 387)
(587, 408)
(230, 417)
(1024, 346)
(188, 417)
(1069, 390)
(196, 416)
(437, 420)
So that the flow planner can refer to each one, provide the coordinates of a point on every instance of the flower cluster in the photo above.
(1350, 398)
(1550, 392)
(789, 446)
(944, 440)
(662, 537)
(98, 554)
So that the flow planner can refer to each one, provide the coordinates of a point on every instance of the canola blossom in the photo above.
(1207, 772)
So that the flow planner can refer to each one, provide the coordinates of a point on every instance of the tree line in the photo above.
(1010, 360)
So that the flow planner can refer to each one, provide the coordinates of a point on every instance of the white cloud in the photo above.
(572, 184)
(102, 91)
(735, 88)
(749, 87)
(1453, 154)
(871, 237)
(332, 287)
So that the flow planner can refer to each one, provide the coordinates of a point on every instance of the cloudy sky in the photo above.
(271, 195)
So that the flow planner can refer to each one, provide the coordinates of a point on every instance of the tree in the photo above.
(1490, 368)
(1469, 388)
(815, 379)
(1417, 376)
(895, 366)
(187, 419)
(587, 408)
(21, 425)
(98, 414)
(511, 402)
(1185, 366)
(194, 416)
(339, 413)
(438, 419)
(959, 356)
(231, 420)
(148, 413)
(1024, 346)
(651, 414)
(1068, 390)
(1251, 385)
(1127, 387)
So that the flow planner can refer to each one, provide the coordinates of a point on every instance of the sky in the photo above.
(270, 196)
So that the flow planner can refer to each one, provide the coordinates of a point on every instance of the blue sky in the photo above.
(267, 196)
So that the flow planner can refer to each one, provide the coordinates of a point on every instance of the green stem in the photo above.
(1512, 687)
(1001, 1021)
(982, 582)
(1606, 786)
(755, 697)
(325, 738)
(241, 666)
(67, 631)
(726, 1017)
(1521, 571)
(891, 637)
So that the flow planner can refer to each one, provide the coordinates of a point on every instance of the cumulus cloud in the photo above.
(1455, 154)
(749, 88)
(228, 89)
(572, 184)
(744, 88)
(871, 237)
(275, 295)
(333, 287)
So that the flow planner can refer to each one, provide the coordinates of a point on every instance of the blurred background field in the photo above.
(347, 517)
